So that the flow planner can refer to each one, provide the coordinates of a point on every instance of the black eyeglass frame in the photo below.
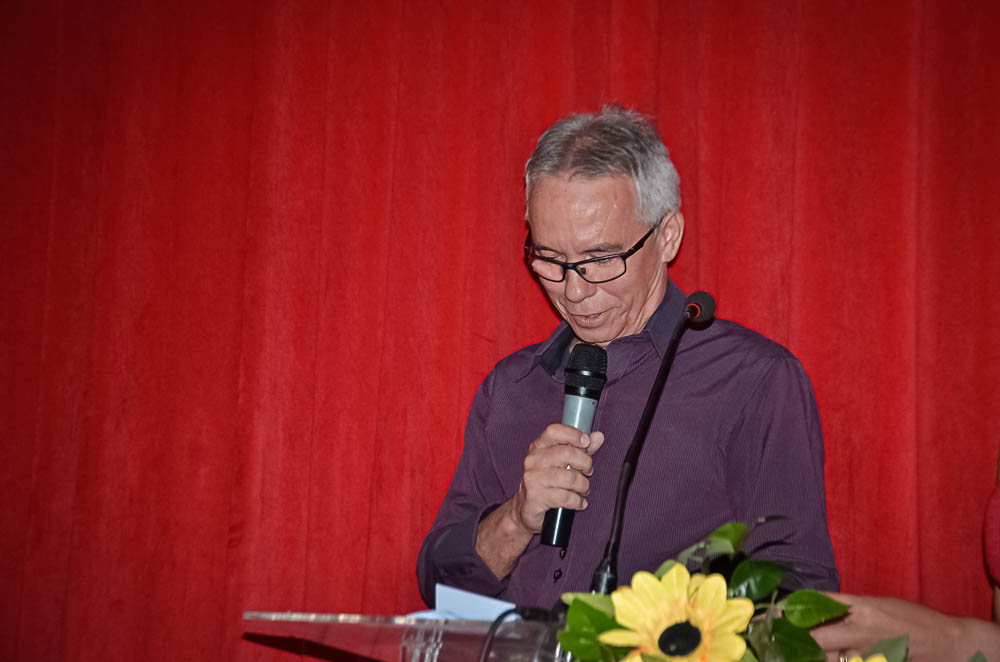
(530, 255)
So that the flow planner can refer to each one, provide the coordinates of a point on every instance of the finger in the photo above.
(573, 501)
(562, 456)
(571, 481)
(838, 636)
(841, 654)
(564, 498)
(557, 434)
(542, 484)
(845, 598)
(579, 461)
(559, 489)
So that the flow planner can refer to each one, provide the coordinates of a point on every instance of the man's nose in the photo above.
(577, 289)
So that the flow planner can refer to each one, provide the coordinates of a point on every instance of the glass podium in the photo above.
(356, 638)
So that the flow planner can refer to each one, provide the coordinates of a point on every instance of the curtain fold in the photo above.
(257, 258)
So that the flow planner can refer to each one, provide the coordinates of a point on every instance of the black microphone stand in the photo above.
(700, 307)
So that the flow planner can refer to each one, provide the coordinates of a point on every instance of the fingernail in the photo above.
(585, 440)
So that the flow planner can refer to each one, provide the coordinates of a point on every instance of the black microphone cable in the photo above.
(527, 613)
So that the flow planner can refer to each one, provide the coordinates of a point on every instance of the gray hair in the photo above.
(618, 141)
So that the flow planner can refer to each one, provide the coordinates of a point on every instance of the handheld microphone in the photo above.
(699, 310)
(586, 374)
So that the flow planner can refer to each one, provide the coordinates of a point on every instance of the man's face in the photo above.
(575, 219)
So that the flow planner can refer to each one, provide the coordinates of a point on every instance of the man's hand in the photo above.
(548, 481)
(555, 476)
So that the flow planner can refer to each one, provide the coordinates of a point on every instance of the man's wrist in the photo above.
(501, 538)
(504, 524)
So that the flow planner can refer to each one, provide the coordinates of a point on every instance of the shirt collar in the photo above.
(551, 355)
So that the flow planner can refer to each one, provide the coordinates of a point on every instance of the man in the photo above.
(736, 434)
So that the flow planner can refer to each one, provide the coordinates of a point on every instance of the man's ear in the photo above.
(670, 234)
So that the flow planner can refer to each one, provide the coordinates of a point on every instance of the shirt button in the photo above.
(556, 575)
(562, 553)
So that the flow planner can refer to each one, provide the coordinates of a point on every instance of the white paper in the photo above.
(455, 604)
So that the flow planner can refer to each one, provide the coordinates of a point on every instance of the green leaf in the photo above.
(665, 568)
(978, 657)
(692, 553)
(755, 579)
(795, 644)
(582, 646)
(584, 623)
(748, 656)
(894, 649)
(806, 609)
(600, 602)
(730, 536)
(727, 539)
(759, 637)
(583, 614)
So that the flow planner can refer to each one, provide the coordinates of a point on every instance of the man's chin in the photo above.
(599, 336)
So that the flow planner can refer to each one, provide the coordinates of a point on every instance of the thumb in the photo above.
(596, 441)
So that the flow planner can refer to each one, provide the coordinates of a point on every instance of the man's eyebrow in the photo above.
(607, 247)
(543, 247)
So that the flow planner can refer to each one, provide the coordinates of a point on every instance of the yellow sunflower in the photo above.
(873, 658)
(679, 618)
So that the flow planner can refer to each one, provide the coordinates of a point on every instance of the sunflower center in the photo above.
(680, 639)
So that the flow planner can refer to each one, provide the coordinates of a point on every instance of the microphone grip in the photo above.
(578, 412)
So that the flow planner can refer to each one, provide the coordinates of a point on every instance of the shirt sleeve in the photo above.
(774, 467)
(448, 554)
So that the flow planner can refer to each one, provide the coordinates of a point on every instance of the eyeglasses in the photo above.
(593, 270)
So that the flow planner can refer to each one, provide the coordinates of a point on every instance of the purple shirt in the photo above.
(736, 436)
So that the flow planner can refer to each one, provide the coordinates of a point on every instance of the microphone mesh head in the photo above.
(587, 368)
(701, 306)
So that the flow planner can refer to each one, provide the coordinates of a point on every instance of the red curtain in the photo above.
(257, 256)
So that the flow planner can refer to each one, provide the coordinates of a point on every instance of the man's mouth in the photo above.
(591, 320)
